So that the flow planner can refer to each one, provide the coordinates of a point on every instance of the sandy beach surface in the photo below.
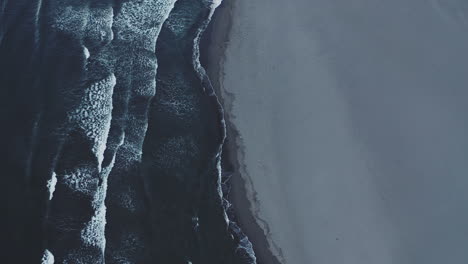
(352, 129)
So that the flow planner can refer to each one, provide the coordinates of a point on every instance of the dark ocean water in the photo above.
(111, 135)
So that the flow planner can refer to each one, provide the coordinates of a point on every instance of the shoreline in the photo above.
(346, 129)
(212, 49)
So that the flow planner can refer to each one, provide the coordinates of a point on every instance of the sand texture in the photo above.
(353, 135)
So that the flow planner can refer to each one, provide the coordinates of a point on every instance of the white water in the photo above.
(47, 258)
(51, 185)
(94, 114)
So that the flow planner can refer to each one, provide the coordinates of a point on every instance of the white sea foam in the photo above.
(47, 258)
(99, 27)
(216, 3)
(94, 232)
(80, 21)
(94, 114)
(220, 189)
(86, 52)
(196, 43)
(140, 21)
(71, 19)
(213, 4)
(51, 185)
(81, 180)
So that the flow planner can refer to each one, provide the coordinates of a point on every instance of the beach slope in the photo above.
(352, 128)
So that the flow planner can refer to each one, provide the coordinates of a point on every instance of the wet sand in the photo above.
(351, 129)
(213, 46)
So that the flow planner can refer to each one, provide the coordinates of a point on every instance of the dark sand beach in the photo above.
(213, 45)
(350, 128)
